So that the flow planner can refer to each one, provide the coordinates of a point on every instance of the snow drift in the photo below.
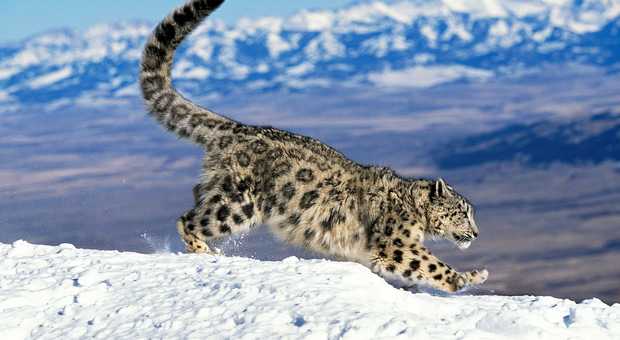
(64, 292)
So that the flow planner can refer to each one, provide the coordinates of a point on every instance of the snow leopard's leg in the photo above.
(194, 242)
(413, 263)
(223, 207)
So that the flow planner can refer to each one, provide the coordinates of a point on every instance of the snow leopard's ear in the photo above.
(441, 189)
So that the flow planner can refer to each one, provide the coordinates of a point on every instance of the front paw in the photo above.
(474, 277)
(478, 277)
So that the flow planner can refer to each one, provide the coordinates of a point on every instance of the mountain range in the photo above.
(411, 43)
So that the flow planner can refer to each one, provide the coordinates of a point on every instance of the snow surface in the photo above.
(51, 78)
(65, 293)
(427, 76)
(576, 15)
(4, 96)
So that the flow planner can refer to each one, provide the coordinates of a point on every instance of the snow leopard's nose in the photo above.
(474, 228)
(464, 237)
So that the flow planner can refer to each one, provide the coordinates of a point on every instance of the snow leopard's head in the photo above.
(450, 215)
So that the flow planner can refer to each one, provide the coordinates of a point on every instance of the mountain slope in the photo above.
(63, 292)
(593, 139)
(393, 43)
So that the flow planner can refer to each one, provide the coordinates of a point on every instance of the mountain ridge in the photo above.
(587, 140)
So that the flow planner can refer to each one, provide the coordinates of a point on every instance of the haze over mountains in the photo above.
(378, 43)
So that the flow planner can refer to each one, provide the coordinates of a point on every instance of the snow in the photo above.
(500, 28)
(252, 26)
(196, 73)
(487, 8)
(8, 72)
(423, 58)
(54, 39)
(325, 46)
(300, 69)
(277, 45)
(187, 70)
(426, 76)
(51, 78)
(456, 28)
(118, 31)
(4, 96)
(313, 21)
(28, 57)
(128, 91)
(429, 33)
(578, 16)
(402, 12)
(202, 47)
(262, 68)
(63, 292)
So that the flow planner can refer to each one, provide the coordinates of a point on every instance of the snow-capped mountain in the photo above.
(415, 43)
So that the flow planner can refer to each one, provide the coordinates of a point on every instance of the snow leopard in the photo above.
(308, 193)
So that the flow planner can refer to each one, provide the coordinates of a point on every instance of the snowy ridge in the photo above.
(362, 44)
(64, 292)
(575, 16)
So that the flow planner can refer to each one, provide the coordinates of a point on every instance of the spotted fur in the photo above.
(310, 194)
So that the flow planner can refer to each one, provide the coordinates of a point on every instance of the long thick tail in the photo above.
(167, 105)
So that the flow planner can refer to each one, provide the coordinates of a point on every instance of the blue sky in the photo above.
(22, 18)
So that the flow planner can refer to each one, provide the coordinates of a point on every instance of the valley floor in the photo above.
(63, 292)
